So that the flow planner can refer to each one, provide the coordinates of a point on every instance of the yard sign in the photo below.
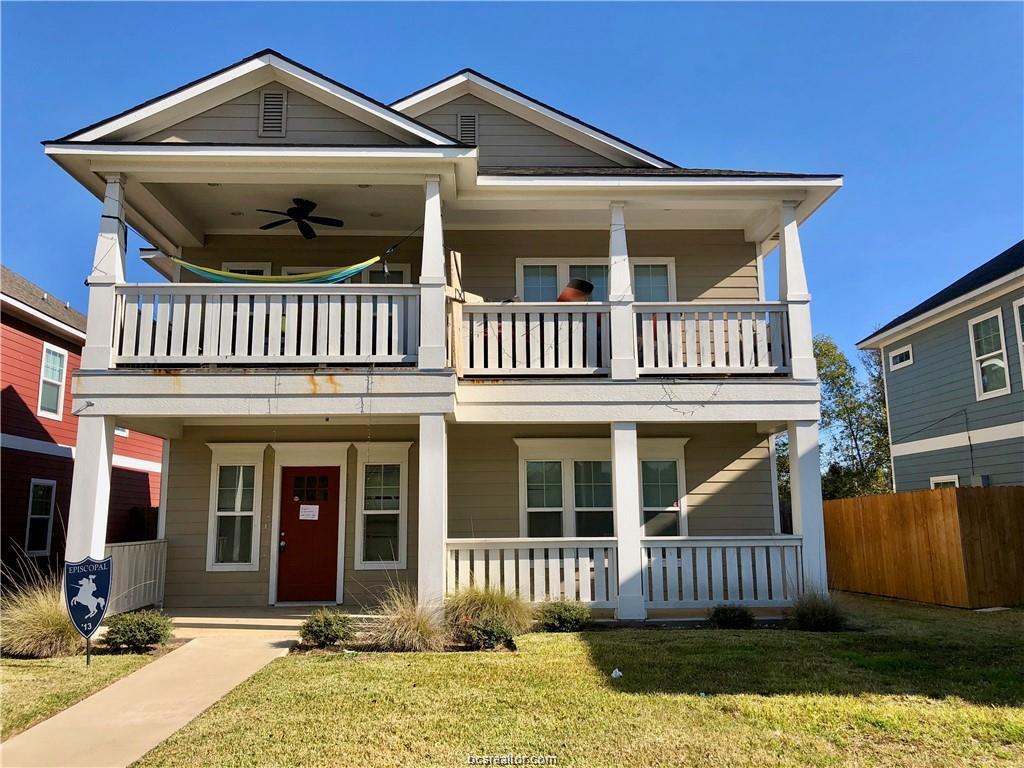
(87, 593)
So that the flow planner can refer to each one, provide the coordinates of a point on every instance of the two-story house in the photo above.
(446, 421)
(954, 381)
(41, 340)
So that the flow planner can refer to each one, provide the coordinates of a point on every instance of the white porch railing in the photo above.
(535, 338)
(537, 569)
(201, 323)
(695, 572)
(138, 574)
(712, 338)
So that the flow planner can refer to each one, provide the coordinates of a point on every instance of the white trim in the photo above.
(1018, 327)
(165, 464)
(773, 467)
(52, 323)
(909, 348)
(122, 432)
(976, 360)
(59, 415)
(270, 150)
(308, 455)
(382, 453)
(562, 265)
(52, 484)
(637, 182)
(263, 266)
(960, 439)
(933, 481)
(31, 445)
(468, 82)
(232, 454)
(951, 308)
(143, 465)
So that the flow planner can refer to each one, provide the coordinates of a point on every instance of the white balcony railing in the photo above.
(183, 324)
(536, 569)
(701, 338)
(535, 338)
(137, 574)
(695, 572)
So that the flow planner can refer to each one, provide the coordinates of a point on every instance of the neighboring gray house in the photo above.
(953, 381)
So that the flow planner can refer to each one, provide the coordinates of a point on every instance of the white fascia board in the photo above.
(633, 182)
(258, 151)
(61, 329)
(996, 288)
(464, 82)
(272, 65)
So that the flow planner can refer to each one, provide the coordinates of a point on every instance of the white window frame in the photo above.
(382, 453)
(263, 266)
(59, 415)
(235, 454)
(975, 360)
(1019, 330)
(898, 351)
(569, 450)
(52, 484)
(562, 269)
(363, 277)
(954, 479)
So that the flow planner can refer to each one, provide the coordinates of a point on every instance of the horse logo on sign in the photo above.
(87, 593)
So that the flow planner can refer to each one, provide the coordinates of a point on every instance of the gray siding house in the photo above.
(953, 381)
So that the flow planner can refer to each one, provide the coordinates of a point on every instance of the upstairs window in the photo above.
(466, 128)
(991, 377)
(540, 282)
(596, 275)
(1018, 313)
(273, 113)
(901, 358)
(650, 282)
(51, 382)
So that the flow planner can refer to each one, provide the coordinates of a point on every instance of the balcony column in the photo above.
(793, 289)
(433, 508)
(108, 266)
(626, 502)
(805, 489)
(432, 280)
(620, 296)
(90, 488)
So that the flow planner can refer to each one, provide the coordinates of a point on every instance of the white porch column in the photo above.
(620, 296)
(793, 289)
(626, 501)
(108, 265)
(808, 516)
(433, 508)
(90, 488)
(432, 280)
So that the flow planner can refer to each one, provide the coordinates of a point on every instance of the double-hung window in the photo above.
(660, 491)
(1018, 315)
(592, 498)
(651, 282)
(544, 499)
(41, 497)
(988, 348)
(51, 382)
(382, 517)
(235, 493)
(540, 279)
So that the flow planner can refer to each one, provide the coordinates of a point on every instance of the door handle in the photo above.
(281, 545)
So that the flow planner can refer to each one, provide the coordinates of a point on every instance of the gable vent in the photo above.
(466, 129)
(273, 112)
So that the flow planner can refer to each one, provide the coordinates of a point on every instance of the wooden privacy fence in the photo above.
(951, 546)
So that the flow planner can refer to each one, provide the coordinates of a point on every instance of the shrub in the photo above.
(815, 612)
(730, 617)
(487, 634)
(35, 620)
(137, 631)
(326, 627)
(479, 606)
(405, 625)
(563, 616)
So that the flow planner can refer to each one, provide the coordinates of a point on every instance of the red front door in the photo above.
(307, 564)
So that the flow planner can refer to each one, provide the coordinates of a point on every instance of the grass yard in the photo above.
(35, 689)
(912, 686)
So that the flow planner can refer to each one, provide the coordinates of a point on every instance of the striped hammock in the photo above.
(328, 276)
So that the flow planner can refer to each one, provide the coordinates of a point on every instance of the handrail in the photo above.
(254, 289)
(533, 542)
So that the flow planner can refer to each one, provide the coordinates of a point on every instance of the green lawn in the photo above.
(35, 689)
(912, 686)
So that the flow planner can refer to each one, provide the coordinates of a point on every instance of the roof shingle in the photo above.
(17, 287)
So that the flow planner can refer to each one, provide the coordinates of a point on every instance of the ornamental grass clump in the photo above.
(402, 624)
(815, 612)
(34, 621)
(486, 618)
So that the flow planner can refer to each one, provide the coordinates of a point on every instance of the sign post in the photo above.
(87, 593)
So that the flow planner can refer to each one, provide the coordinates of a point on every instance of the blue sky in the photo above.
(919, 105)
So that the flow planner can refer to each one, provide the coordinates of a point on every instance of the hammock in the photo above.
(328, 276)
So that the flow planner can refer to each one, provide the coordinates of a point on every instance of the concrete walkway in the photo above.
(119, 724)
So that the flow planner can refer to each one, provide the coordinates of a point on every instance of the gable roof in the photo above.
(27, 294)
(1005, 265)
(244, 75)
(562, 123)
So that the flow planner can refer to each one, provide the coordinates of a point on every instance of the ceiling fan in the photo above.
(300, 214)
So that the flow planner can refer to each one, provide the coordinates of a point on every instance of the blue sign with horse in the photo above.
(87, 593)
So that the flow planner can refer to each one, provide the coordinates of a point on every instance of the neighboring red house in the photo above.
(41, 341)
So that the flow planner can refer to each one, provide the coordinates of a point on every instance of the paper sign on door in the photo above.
(309, 511)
